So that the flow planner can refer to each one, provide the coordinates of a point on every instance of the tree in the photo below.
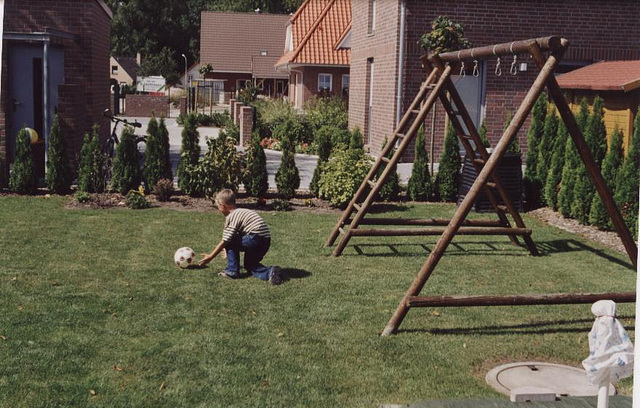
(322, 139)
(482, 132)
(572, 162)
(91, 171)
(126, 165)
(23, 178)
(190, 150)
(554, 176)
(58, 176)
(598, 215)
(287, 177)
(448, 177)
(546, 145)
(165, 150)
(626, 195)
(162, 63)
(532, 182)
(256, 180)
(157, 164)
(391, 187)
(597, 132)
(420, 185)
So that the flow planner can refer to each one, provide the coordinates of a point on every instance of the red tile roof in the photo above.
(604, 76)
(234, 42)
(316, 30)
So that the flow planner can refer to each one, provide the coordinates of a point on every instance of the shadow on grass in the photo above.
(293, 273)
(381, 208)
(487, 248)
(545, 327)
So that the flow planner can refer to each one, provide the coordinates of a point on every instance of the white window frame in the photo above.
(372, 14)
(114, 70)
(348, 77)
(330, 82)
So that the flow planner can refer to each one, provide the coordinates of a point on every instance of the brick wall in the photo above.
(597, 30)
(147, 105)
(310, 81)
(85, 65)
(246, 124)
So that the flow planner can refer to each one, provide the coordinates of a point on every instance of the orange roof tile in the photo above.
(316, 29)
(604, 76)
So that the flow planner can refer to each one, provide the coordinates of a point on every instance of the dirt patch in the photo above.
(610, 239)
(186, 203)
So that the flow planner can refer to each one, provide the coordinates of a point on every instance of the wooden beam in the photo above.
(519, 300)
(427, 222)
(499, 50)
(390, 232)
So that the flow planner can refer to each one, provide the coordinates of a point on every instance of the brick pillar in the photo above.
(183, 105)
(232, 109)
(246, 124)
(236, 118)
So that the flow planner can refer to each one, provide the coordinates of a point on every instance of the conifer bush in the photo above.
(554, 174)
(598, 215)
(165, 149)
(189, 152)
(23, 178)
(322, 139)
(287, 177)
(256, 178)
(448, 177)
(126, 165)
(597, 132)
(91, 172)
(391, 187)
(628, 181)
(572, 163)
(356, 140)
(58, 177)
(482, 132)
(532, 182)
(546, 147)
(420, 185)
(153, 166)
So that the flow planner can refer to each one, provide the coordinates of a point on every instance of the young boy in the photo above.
(244, 231)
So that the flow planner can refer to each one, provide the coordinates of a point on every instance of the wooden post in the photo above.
(467, 203)
(519, 300)
(592, 168)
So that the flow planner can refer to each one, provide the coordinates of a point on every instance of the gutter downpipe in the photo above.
(45, 74)
(401, 51)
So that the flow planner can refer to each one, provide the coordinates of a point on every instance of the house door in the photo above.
(26, 95)
(471, 90)
(279, 88)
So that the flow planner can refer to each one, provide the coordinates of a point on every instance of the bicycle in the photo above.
(109, 147)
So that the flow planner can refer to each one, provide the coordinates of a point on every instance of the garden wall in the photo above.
(146, 106)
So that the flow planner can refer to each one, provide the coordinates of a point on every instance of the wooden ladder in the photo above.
(437, 85)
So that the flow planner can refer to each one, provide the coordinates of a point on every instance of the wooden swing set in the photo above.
(439, 85)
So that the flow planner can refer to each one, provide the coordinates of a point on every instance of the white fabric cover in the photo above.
(611, 351)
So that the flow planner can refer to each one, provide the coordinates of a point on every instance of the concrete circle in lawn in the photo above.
(561, 379)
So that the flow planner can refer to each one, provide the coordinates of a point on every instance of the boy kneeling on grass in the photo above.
(244, 231)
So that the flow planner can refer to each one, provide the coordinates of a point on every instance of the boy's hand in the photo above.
(206, 258)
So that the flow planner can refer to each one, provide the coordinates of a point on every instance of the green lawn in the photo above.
(90, 303)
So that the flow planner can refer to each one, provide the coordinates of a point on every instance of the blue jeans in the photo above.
(254, 248)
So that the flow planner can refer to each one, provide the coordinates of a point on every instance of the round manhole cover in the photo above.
(560, 379)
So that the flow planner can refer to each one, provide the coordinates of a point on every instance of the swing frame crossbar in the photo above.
(440, 86)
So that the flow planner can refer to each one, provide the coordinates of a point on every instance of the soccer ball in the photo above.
(184, 257)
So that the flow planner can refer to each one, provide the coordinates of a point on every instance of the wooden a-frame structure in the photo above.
(439, 85)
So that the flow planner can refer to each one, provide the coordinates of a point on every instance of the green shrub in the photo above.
(445, 35)
(342, 174)
(189, 152)
(287, 177)
(82, 196)
(420, 185)
(340, 138)
(572, 163)
(598, 215)
(532, 181)
(58, 175)
(165, 149)
(91, 172)
(391, 187)
(626, 195)
(281, 205)
(126, 165)
(323, 142)
(554, 175)
(514, 145)
(153, 166)
(545, 147)
(163, 189)
(23, 178)
(292, 130)
(356, 141)
(232, 131)
(269, 113)
(597, 132)
(256, 180)
(326, 111)
(448, 177)
(136, 200)
(482, 132)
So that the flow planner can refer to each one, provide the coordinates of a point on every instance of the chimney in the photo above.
(138, 58)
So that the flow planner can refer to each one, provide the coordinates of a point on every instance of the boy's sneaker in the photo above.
(275, 277)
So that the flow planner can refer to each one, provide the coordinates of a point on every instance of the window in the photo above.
(263, 53)
(372, 17)
(324, 82)
(114, 70)
(345, 85)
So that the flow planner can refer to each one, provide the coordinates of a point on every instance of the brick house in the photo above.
(386, 71)
(124, 70)
(617, 83)
(55, 59)
(316, 54)
(243, 47)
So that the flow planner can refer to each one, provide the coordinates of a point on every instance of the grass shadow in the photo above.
(380, 208)
(294, 273)
(571, 245)
(543, 327)
(455, 249)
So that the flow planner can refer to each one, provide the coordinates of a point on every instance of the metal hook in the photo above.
(514, 66)
(462, 71)
(498, 69)
(476, 71)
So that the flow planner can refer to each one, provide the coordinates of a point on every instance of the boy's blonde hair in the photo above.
(226, 197)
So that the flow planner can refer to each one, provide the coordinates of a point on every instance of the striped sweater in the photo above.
(242, 221)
